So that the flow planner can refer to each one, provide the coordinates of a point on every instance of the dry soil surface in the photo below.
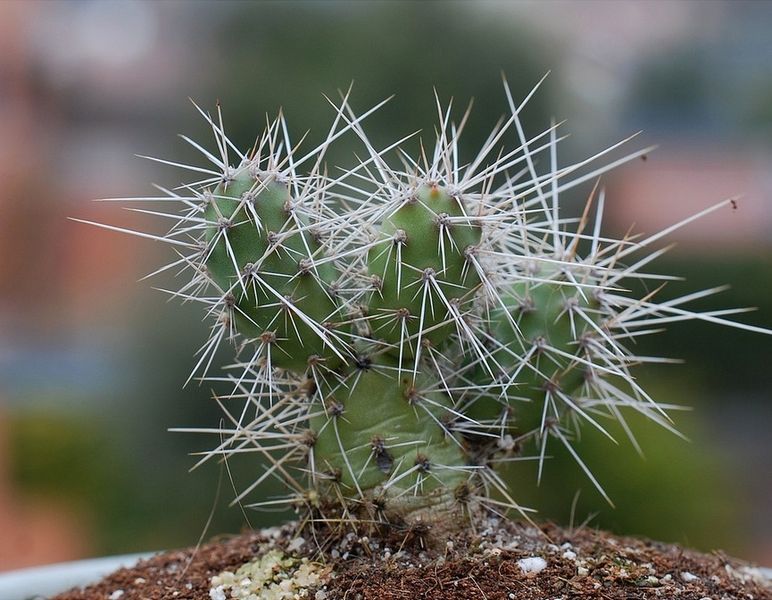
(500, 560)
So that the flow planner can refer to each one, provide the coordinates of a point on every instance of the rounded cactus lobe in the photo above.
(420, 268)
(552, 326)
(380, 429)
(260, 254)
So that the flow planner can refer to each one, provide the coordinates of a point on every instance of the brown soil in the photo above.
(492, 563)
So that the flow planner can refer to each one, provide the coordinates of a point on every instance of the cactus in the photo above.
(260, 255)
(399, 333)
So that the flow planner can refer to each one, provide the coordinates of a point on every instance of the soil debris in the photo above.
(501, 560)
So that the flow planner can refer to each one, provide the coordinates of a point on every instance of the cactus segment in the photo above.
(541, 347)
(263, 259)
(422, 274)
(381, 430)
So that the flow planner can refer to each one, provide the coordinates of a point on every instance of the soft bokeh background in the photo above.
(92, 362)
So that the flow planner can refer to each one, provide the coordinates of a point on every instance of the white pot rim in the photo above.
(44, 581)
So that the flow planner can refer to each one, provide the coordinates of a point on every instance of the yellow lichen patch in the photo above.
(273, 576)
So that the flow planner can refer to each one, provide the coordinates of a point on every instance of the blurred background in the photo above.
(92, 362)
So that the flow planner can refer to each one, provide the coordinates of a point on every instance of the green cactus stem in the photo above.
(262, 256)
(541, 341)
(384, 434)
(423, 273)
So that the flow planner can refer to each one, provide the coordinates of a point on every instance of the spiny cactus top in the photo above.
(401, 330)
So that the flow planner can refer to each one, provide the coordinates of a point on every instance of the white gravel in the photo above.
(532, 564)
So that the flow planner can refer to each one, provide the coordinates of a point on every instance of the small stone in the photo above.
(582, 571)
(217, 593)
(115, 595)
(569, 555)
(532, 564)
(320, 595)
(296, 544)
(688, 577)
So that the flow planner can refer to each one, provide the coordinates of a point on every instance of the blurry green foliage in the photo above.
(725, 361)
(45, 447)
(679, 491)
(71, 459)
(130, 503)
(272, 55)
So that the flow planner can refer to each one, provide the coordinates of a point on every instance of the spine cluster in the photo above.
(402, 330)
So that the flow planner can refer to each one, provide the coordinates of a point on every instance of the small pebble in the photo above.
(296, 544)
(217, 593)
(532, 564)
(115, 595)
(688, 577)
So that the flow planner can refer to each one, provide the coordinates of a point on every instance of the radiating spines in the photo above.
(420, 276)
(384, 432)
(532, 338)
(263, 256)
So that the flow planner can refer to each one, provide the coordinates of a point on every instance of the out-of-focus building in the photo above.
(682, 180)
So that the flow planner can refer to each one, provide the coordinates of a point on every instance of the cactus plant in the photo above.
(401, 331)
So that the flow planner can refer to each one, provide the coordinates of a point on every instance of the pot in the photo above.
(40, 582)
